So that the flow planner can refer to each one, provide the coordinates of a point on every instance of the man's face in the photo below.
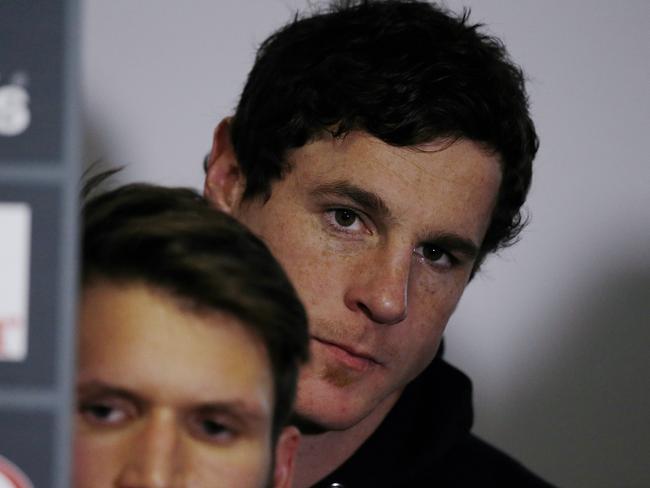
(167, 397)
(379, 242)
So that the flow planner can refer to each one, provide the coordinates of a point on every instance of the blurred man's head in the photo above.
(190, 337)
(382, 150)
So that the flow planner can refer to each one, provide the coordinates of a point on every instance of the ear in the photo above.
(285, 455)
(224, 182)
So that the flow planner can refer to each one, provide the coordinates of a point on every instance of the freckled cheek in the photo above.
(438, 291)
(320, 287)
(315, 267)
(431, 303)
(414, 349)
(416, 346)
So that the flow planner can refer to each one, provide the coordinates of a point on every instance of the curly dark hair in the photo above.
(171, 239)
(406, 72)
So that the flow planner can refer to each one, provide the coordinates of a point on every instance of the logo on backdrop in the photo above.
(15, 243)
(14, 106)
(11, 476)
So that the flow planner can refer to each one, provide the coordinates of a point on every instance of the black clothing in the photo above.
(425, 441)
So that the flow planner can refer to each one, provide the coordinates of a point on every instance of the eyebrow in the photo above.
(240, 411)
(368, 201)
(454, 242)
(91, 388)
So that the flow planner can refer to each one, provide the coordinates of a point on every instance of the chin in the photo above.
(333, 398)
(334, 410)
(311, 423)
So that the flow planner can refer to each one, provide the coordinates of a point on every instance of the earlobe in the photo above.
(285, 455)
(224, 182)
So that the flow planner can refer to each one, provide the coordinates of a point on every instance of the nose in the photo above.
(153, 458)
(379, 287)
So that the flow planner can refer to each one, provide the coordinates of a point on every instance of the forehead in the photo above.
(452, 158)
(149, 342)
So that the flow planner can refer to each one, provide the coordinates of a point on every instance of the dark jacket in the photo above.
(425, 441)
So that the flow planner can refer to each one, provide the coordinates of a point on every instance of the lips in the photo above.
(350, 357)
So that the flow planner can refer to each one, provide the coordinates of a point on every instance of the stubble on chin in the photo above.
(336, 376)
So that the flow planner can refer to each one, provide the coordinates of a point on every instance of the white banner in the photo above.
(15, 232)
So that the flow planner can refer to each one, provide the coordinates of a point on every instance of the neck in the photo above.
(320, 454)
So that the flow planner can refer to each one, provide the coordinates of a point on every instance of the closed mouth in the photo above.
(351, 357)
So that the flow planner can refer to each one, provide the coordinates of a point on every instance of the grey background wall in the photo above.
(555, 331)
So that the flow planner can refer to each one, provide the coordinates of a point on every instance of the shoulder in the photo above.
(441, 450)
(474, 462)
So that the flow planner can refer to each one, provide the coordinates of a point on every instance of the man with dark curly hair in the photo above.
(382, 149)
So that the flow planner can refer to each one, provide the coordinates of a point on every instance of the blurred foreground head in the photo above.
(190, 339)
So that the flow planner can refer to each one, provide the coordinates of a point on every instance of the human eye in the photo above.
(107, 412)
(212, 428)
(344, 220)
(436, 256)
